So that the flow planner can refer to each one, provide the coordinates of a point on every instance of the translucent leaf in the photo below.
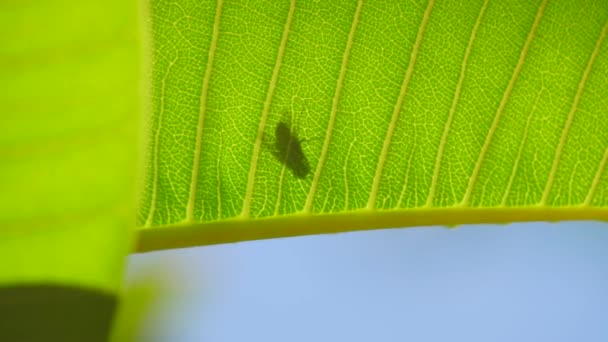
(397, 113)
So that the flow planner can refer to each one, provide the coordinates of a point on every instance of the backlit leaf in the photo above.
(408, 113)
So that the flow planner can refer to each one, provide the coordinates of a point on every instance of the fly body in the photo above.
(288, 150)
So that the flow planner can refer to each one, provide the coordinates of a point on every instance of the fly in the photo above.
(288, 151)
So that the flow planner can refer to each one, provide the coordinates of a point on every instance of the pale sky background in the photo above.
(519, 282)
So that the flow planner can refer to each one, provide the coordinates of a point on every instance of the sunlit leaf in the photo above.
(407, 113)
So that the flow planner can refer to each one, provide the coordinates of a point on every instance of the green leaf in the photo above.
(407, 113)
(70, 104)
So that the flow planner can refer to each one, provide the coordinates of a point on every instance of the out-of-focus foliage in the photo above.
(139, 300)
(69, 109)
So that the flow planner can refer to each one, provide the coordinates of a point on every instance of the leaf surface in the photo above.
(405, 113)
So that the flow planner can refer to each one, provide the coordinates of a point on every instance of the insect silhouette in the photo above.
(288, 150)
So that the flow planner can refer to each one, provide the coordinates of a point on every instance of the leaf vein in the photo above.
(397, 109)
(271, 88)
(520, 151)
(503, 103)
(596, 179)
(406, 180)
(156, 146)
(334, 108)
(600, 170)
(573, 109)
(455, 100)
(202, 112)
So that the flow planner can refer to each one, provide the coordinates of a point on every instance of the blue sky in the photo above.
(518, 282)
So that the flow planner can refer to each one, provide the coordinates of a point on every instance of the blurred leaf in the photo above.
(159, 289)
(70, 104)
(282, 118)
(55, 313)
(137, 303)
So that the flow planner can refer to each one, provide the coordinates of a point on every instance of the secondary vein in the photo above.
(202, 112)
(271, 88)
(334, 109)
(163, 82)
(573, 109)
(371, 202)
(448, 124)
(503, 103)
